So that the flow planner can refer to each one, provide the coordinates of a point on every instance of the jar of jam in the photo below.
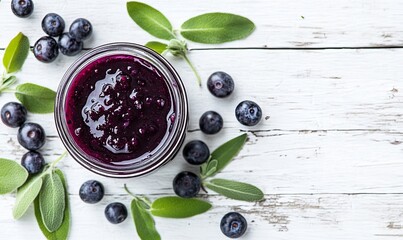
(121, 110)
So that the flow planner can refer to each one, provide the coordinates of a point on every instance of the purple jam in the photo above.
(119, 108)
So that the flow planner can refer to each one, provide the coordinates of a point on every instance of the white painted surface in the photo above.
(329, 156)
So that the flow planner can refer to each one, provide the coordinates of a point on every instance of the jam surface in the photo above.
(119, 108)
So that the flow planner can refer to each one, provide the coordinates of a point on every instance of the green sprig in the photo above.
(209, 28)
(143, 210)
(218, 160)
(48, 191)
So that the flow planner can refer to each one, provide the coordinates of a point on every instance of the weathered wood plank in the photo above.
(298, 90)
(297, 24)
(276, 161)
(279, 217)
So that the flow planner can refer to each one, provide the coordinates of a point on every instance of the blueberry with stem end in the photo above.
(46, 49)
(22, 8)
(31, 136)
(33, 161)
(91, 191)
(233, 225)
(196, 152)
(248, 113)
(186, 184)
(13, 114)
(116, 212)
(211, 122)
(69, 46)
(220, 84)
(53, 24)
(80, 29)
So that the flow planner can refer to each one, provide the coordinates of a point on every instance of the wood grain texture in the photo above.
(339, 23)
(282, 217)
(328, 152)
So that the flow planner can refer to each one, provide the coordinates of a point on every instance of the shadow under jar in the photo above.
(121, 110)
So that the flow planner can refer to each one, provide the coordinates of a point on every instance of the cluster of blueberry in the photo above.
(221, 85)
(46, 49)
(93, 191)
(188, 184)
(30, 135)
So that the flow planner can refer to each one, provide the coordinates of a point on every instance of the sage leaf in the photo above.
(203, 169)
(235, 190)
(226, 152)
(12, 175)
(150, 19)
(63, 231)
(216, 28)
(157, 46)
(35, 98)
(144, 222)
(26, 195)
(52, 202)
(211, 168)
(16, 53)
(176, 207)
(7, 82)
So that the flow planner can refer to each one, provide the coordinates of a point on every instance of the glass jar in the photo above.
(167, 147)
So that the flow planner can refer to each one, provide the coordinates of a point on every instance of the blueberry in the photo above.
(186, 184)
(220, 84)
(91, 191)
(80, 29)
(233, 225)
(196, 152)
(69, 46)
(31, 136)
(248, 113)
(116, 212)
(33, 162)
(22, 8)
(46, 49)
(13, 114)
(53, 24)
(211, 122)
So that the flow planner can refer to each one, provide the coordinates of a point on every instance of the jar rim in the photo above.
(166, 150)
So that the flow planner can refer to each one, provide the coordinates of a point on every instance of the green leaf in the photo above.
(63, 231)
(26, 195)
(16, 53)
(7, 82)
(176, 207)
(211, 168)
(216, 28)
(144, 222)
(150, 20)
(203, 169)
(226, 152)
(52, 202)
(235, 190)
(157, 46)
(35, 98)
(12, 175)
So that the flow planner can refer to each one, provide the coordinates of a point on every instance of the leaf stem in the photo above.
(7, 90)
(193, 69)
(128, 191)
(204, 187)
(138, 198)
(53, 164)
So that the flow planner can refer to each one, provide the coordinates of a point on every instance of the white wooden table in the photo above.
(328, 76)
